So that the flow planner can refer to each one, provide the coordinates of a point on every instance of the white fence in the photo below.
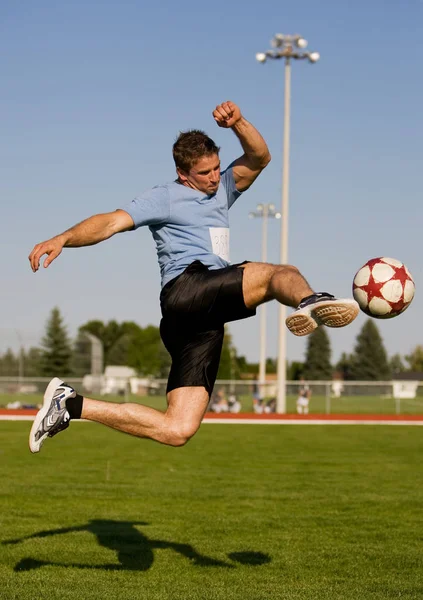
(325, 396)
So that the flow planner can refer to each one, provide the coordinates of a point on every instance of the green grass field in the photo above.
(246, 512)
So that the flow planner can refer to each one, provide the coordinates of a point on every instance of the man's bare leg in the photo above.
(263, 282)
(175, 426)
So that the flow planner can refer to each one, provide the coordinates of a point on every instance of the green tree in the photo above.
(317, 362)
(81, 356)
(228, 366)
(415, 359)
(108, 333)
(370, 361)
(271, 365)
(125, 351)
(242, 365)
(145, 351)
(32, 362)
(294, 370)
(9, 364)
(129, 344)
(253, 368)
(165, 362)
(344, 366)
(56, 351)
(396, 364)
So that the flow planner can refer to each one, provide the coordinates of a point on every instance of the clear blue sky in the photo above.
(93, 94)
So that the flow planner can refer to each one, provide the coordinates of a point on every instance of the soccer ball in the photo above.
(383, 288)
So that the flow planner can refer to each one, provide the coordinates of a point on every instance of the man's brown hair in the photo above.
(190, 146)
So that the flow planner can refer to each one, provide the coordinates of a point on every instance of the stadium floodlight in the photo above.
(286, 47)
(265, 211)
(21, 356)
(277, 40)
(261, 57)
(314, 57)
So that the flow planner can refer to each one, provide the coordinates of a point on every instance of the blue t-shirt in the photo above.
(186, 224)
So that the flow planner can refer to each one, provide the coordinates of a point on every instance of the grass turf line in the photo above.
(243, 513)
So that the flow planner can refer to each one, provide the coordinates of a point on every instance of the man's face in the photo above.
(204, 176)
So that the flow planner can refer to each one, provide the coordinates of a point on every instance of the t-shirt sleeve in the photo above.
(152, 207)
(228, 181)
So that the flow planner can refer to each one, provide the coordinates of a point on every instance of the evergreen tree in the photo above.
(317, 362)
(370, 361)
(344, 366)
(56, 352)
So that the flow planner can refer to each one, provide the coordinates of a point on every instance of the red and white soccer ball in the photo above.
(383, 288)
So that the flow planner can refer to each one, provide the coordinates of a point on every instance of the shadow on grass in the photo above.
(135, 551)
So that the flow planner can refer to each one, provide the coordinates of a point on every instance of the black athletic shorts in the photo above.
(195, 305)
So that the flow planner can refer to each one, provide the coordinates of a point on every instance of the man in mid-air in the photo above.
(201, 290)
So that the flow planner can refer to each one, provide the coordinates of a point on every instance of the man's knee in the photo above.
(284, 281)
(179, 434)
(285, 271)
(261, 279)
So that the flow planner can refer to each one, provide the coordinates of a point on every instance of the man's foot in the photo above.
(52, 416)
(321, 309)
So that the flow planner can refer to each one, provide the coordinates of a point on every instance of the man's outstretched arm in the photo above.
(93, 230)
(256, 153)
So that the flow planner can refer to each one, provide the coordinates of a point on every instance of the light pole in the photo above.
(264, 211)
(21, 359)
(286, 47)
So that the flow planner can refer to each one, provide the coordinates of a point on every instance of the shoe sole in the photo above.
(338, 313)
(332, 313)
(34, 445)
(301, 324)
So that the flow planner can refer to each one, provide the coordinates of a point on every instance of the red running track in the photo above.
(275, 419)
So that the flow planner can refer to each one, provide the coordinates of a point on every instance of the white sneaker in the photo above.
(321, 309)
(52, 416)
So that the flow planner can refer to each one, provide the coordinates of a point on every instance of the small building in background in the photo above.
(119, 381)
(405, 385)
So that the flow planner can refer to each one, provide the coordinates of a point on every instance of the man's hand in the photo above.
(227, 114)
(51, 247)
(256, 155)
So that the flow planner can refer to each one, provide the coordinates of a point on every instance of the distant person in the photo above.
(234, 406)
(303, 400)
(257, 401)
(219, 404)
(201, 289)
(270, 406)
